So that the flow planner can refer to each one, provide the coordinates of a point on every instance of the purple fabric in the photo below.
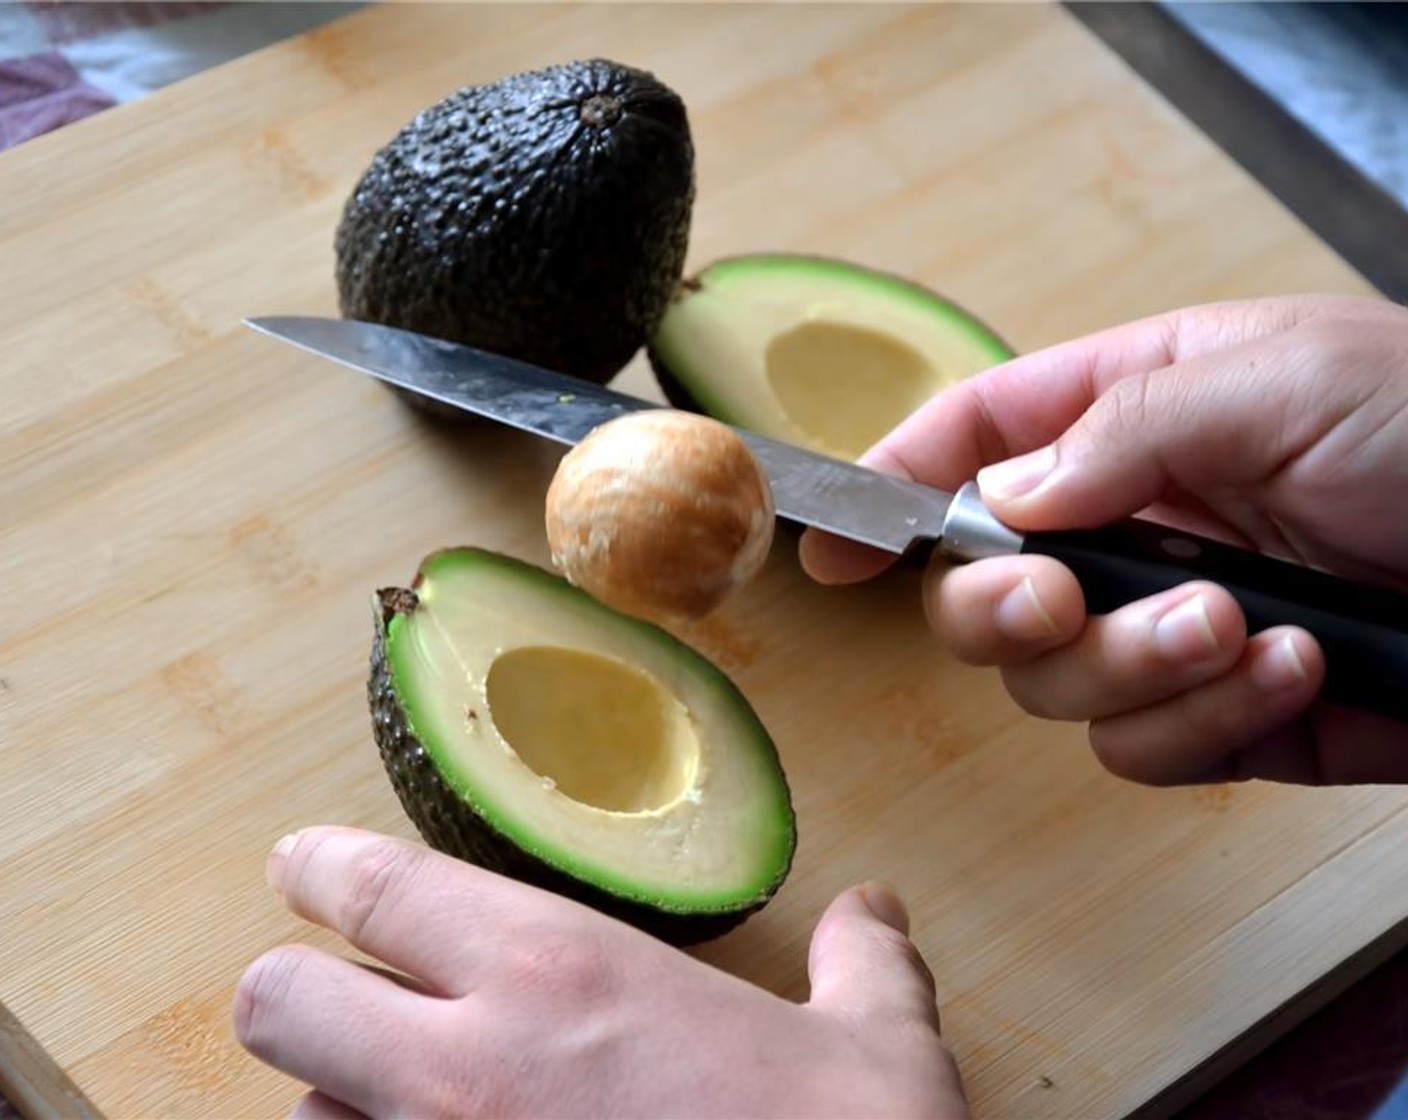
(61, 60)
(66, 21)
(41, 93)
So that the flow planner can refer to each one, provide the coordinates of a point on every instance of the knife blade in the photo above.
(888, 513)
(1362, 629)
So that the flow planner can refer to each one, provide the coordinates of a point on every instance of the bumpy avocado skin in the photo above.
(544, 216)
(450, 825)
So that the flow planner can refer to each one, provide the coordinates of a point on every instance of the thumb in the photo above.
(1232, 418)
(862, 964)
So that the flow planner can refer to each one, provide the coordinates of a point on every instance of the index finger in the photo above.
(1011, 408)
(413, 908)
(1027, 402)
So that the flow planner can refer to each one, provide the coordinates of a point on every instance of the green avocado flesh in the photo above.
(529, 728)
(544, 216)
(815, 351)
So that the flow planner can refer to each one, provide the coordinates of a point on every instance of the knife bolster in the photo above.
(971, 532)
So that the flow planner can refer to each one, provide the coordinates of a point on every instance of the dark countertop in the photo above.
(1339, 69)
(1310, 98)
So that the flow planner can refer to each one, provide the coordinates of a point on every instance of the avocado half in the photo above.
(544, 216)
(532, 730)
(815, 351)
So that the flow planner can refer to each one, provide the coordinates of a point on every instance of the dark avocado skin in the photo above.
(544, 216)
(450, 825)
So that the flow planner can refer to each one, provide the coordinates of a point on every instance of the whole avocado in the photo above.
(544, 216)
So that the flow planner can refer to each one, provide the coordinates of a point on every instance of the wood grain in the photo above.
(192, 519)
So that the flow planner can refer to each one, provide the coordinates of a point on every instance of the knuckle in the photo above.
(901, 946)
(263, 991)
(1112, 753)
(461, 1091)
(470, 1073)
(937, 592)
(1030, 691)
(576, 970)
(1133, 760)
(1122, 407)
(1321, 342)
(1210, 716)
(373, 885)
(999, 610)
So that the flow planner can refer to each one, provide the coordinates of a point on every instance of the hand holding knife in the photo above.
(1363, 630)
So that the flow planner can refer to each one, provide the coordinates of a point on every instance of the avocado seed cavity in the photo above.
(844, 386)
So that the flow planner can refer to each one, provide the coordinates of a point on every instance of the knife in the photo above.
(1362, 629)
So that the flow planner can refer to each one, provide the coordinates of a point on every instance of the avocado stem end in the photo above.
(396, 600)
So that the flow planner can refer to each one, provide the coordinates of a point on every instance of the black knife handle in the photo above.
(1362, 630)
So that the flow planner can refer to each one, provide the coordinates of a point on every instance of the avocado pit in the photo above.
(660, 514)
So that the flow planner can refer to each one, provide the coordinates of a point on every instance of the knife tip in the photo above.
(275, 326)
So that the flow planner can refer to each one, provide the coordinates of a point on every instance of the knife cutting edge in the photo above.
(1363, 630)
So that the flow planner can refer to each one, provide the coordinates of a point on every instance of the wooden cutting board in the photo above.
(192, 519)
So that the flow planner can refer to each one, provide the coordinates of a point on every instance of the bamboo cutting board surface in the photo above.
(192, 519)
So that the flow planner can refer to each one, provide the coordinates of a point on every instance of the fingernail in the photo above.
(274, 867)
(1016, 478)
(1184, 632)
(1021, 614)
(1279, 666)
(885, 904)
